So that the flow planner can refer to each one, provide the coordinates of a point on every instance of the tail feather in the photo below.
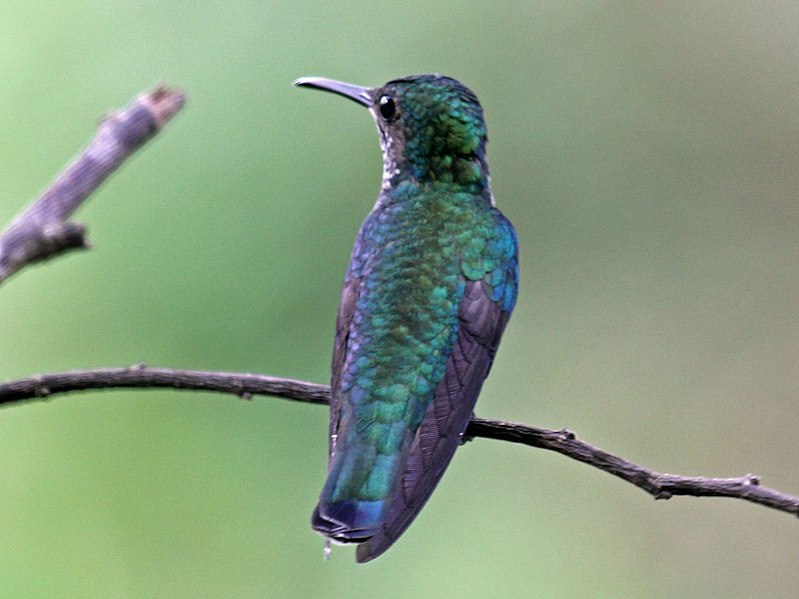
(353, 503)
(348, 521)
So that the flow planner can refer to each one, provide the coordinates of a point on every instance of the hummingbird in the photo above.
(430, 287)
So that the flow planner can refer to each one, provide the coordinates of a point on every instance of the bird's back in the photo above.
(427, 295)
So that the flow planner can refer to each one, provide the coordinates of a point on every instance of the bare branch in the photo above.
(42, 230)
(657, 484)
(143, 377)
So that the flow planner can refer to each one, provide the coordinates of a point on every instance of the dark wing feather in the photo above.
(349, 301)
(346, 310)
(481, 325)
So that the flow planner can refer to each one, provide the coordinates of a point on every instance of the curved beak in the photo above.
(348, 90)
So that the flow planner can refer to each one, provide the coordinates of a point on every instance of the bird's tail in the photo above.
(354, 500)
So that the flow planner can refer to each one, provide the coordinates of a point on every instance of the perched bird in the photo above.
(430, 287)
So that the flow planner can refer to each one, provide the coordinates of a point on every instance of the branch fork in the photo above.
(43, 230)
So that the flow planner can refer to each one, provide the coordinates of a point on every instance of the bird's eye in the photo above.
(388, 108)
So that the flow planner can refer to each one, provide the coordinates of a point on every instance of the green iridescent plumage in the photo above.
(430, 287)
(415, 254)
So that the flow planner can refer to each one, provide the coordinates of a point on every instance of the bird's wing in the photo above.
(349, 300)
(481, 323)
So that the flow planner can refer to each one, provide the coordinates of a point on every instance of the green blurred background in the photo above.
(646, 152)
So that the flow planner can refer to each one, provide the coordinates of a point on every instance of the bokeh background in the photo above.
(646, 152)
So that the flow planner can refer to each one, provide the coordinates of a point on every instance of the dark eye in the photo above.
(388, 108)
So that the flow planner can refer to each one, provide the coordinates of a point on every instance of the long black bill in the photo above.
(348, 90)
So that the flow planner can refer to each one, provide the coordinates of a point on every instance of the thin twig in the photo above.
(657, 484)
(143, 377)
(42, 230)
